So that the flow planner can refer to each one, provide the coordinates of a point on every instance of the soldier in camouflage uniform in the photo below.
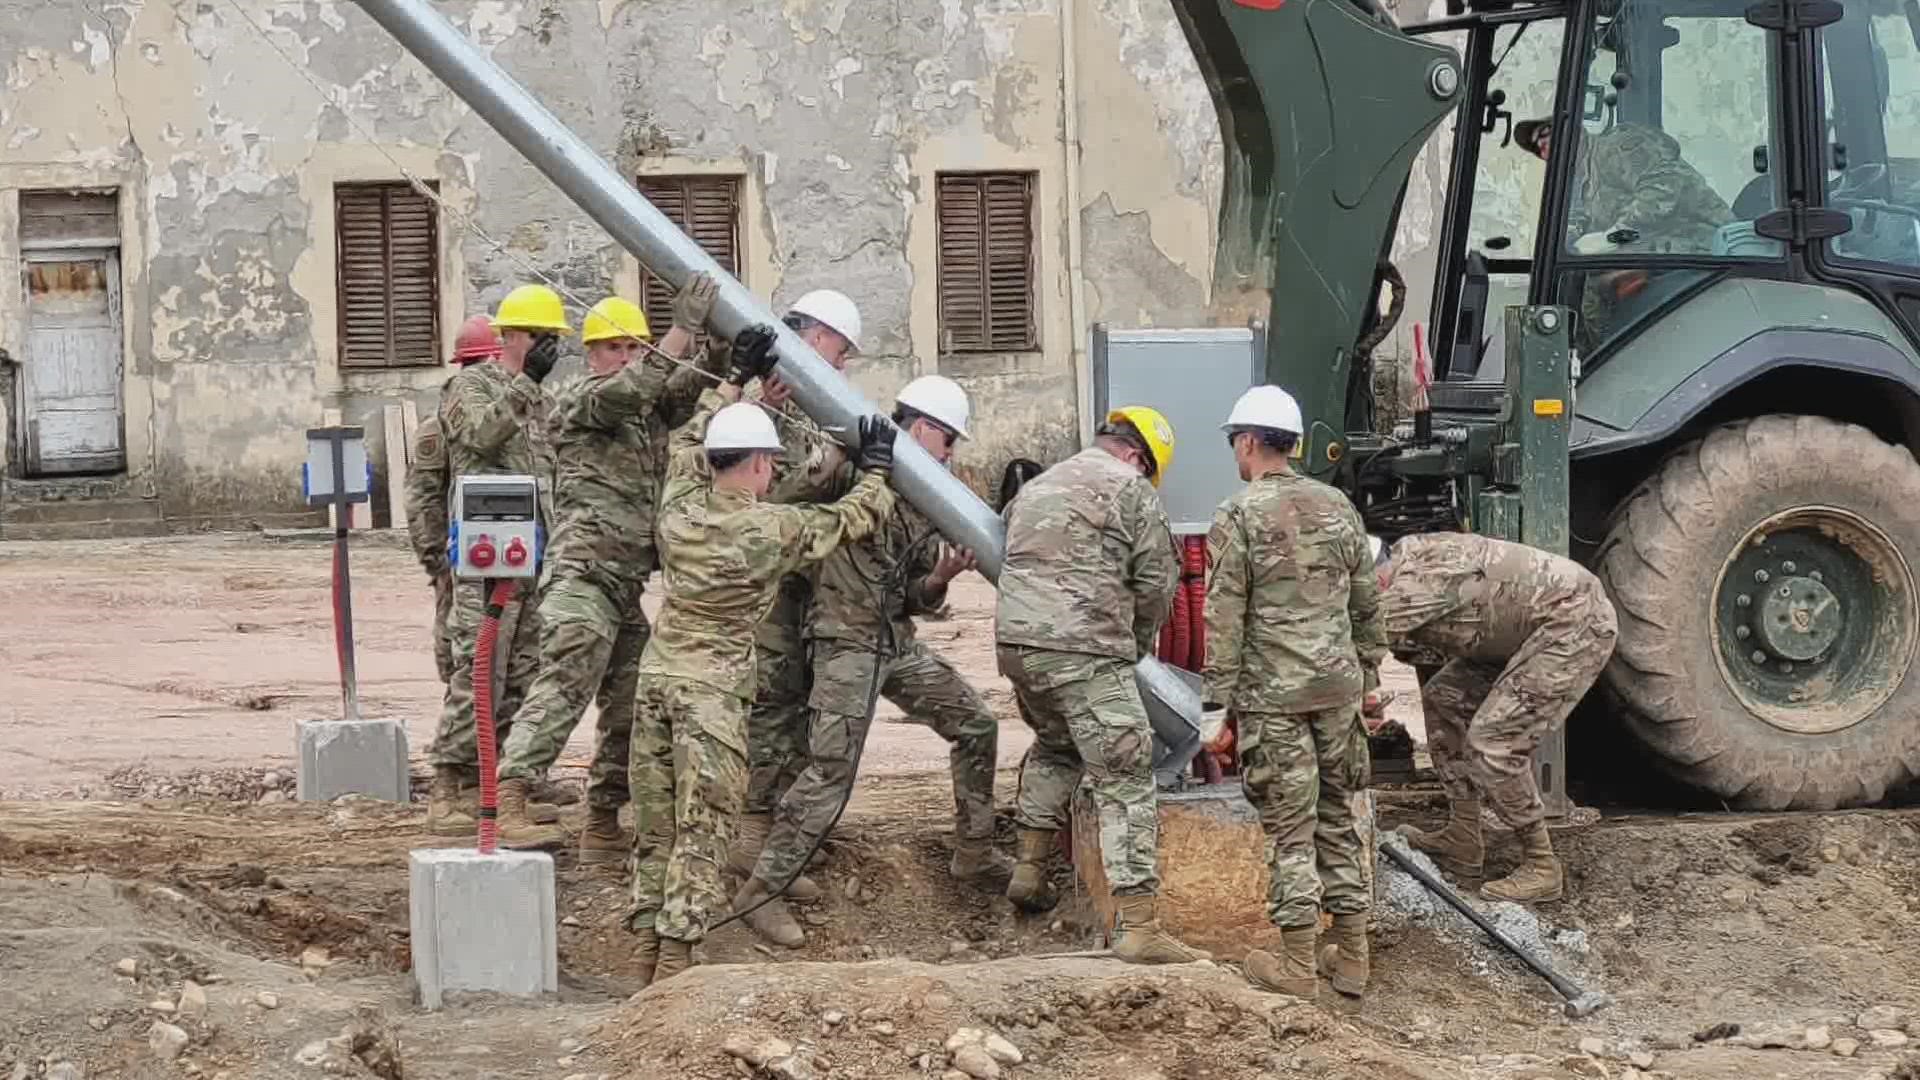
(1632, 194)
(723, 552)
(427, 485)
(1506, 640)
(609, 441)
(862, 642)
(493, 417)
(804, 472)
(1088, 578)
(1293, 642)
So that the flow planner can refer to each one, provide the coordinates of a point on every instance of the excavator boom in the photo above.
(1323, 106)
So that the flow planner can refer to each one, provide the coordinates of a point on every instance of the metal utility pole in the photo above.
(616, 204)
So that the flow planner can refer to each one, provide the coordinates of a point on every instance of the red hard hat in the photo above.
(478, 340)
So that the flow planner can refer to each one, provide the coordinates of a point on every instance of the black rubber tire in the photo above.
(1659, 561)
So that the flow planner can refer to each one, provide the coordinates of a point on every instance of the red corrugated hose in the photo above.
(497, 602)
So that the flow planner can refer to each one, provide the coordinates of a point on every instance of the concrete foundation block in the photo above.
(352, 757)
(482, 922)
(1213, 867)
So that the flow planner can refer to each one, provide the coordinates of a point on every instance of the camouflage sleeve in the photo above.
(1153, 570)
(604, 401)
(483, 420)
(924, 597)
(427, 498)
(808, 468)
(690, 378)
(1227, 579)
(810, 533)
(1363, 603)
(686, 451)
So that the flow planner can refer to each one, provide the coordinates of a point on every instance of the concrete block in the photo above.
(352, 757)
(1213, 867)
(482, 922)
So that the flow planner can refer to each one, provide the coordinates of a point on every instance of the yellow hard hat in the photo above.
(532, 307)
(1154, 429)
(614, 317)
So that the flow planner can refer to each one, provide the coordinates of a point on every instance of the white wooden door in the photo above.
(70, 377)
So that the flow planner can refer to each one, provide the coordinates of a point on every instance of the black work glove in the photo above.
(753, 355)
(876, 443)
(541, 358)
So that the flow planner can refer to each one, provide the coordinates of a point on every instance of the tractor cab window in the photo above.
(1872, 94)
(1675, 158)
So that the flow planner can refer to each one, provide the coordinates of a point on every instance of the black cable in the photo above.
(882, 586)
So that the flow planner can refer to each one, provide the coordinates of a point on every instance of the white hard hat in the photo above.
(939, 398)
(834, 309)
(1266, 407)
(741, 426)
(1375, 546)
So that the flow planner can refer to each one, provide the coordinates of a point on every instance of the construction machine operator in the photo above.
(1506, 640)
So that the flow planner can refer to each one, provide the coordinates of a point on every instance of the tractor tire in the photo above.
(1768, 614)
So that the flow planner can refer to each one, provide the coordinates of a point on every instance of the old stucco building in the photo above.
(216, 251)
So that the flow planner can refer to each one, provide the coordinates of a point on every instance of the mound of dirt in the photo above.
(1065, 1016)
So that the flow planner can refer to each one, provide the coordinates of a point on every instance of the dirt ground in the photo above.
(149, 689)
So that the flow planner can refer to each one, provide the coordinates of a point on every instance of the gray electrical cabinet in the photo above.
(1193, 377)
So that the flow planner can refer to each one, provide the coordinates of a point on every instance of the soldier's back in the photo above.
(1064, 580)
(1462, 594)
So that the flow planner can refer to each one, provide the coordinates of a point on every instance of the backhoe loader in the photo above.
(1676, 333)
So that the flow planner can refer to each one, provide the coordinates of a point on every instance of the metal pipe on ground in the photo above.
(1580, 1003)
(618, 207)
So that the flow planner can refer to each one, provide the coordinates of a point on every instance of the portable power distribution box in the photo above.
(493, 527)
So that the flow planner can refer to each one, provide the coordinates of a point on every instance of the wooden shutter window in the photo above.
(388, 247)
(706, 208)
(986, 262)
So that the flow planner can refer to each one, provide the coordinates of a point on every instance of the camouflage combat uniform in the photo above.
(609, 446)
(1088, 578)
(1506, 639)
(723, 554)
(1633, 177)
(1293, 641)
(493, 421)
(427, 487)
(777, 726)
(862, 641)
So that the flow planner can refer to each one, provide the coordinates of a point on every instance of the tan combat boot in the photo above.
(1029, 889)
(1537, 879)
(469, 803)
(771, 920)
(646, 954)
(603, 842)
(1291, 972)
(518, 832)
(1345, 960)
(445, 814)
(675, 957)
(1458, 848)
(1138, 938)
(978, 860)
(748, 839)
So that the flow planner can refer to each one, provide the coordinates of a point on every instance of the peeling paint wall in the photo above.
(836, 115)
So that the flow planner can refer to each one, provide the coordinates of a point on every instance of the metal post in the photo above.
(616, 204)
(1540, 394)
(343, 586)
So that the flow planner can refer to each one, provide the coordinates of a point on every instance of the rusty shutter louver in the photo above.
(389, 275)
(707, 208)
(986, 262)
